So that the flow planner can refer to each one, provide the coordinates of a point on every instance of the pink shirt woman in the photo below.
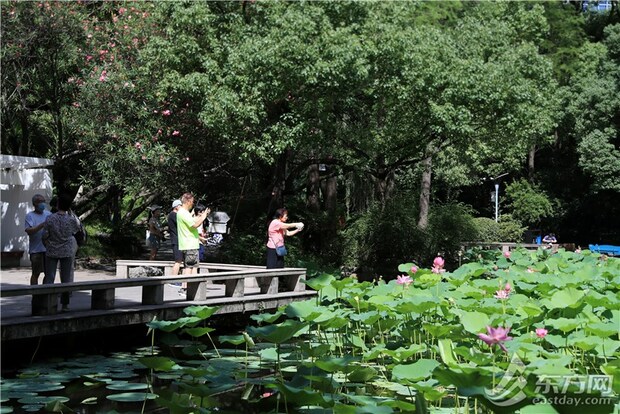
(278, 228)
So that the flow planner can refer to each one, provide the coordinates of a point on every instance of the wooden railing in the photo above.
(507, 246)
(123, 266)
(45, 297)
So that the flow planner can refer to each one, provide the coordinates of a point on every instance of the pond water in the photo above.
(91, 373)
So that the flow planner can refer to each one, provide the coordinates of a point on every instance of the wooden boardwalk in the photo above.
(106, 300)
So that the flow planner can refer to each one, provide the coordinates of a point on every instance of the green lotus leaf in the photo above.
(430, 279)
(404, 353)
(168, 376)
(36, 386)
(470, 291)
(269, 354)
(428, 390)
(467, 271)
(303, 396)
(406, 268)
(556, 340)
(321, 281)
(231, 339)
(526, 287)
(362, 374)
(368, 318)
(89, 401)
(440, 330)
(198, 332)
(402, 406)
(268, 317)
(337, 364)
(128, 386)
(6, 409)
(418, 304)
(315, 349)
(39, 399)
(565, 324)
(566, 298)
(613, 368)
(474, 322)
(131, 397)
(32, 408)
(446, 352)
(202, 312)
(607, 347)
(170, 326)
(421, 369)
(304, 310)
(538, 409)
(550, 367)
(365, 405)
(158, 363)
(603, 329)
(278, 333)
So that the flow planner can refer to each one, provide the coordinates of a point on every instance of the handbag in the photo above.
(280, 250)
(81, 236)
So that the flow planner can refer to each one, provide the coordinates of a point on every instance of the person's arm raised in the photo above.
(201, 217)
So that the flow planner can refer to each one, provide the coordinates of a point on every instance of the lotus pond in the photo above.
(527, 332)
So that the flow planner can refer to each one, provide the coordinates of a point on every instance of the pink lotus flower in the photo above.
(138, 146)
(541, 332)
(507, 255)
(103, 77)
(438, 264)
(502, 294)
(166, 112)
(403, 280)
(413, 269)
(508, 288)
(175, 133)
(496, 336)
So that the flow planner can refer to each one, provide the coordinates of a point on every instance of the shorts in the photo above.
(37, 261)
(190, 258)
(177, 254)
(154, 242)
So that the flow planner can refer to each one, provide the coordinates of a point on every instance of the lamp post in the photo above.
(496, 180)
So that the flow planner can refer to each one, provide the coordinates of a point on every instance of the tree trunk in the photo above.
(425, 192)
(314, 181)
(530, 162)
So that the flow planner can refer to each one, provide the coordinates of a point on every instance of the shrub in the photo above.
(506, 230)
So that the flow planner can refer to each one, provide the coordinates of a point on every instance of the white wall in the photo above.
(18, 184)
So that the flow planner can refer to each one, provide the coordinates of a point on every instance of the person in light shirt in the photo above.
(187, 231)
(34, 228)
(278, 229)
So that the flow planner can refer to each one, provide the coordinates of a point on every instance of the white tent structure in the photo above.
(20, 179)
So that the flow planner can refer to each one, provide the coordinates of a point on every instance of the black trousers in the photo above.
(273, 260)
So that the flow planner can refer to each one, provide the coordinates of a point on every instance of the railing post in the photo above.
(235, 288)
(153, 295)
(102, 299)
(122, 270)
(294, 283)
(197, 291)
(44, 304)
(268, 285)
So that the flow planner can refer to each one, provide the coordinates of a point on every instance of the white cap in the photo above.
(176, 203)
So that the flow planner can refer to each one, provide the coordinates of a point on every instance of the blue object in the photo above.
(538, 239)
(605, 248)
